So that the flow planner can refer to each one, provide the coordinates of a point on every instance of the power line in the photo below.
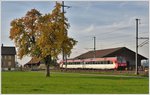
(143, 43)
(143, 33)
(143, 38)
(116, 37)
(117, 43)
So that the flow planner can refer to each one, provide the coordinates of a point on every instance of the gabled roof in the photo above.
(107, 53)
(99, 53)
(34, 60)
(8, 50)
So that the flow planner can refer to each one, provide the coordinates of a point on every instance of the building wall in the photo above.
(8, 62)
(129, 55)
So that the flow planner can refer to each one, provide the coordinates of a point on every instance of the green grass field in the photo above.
(71, 83)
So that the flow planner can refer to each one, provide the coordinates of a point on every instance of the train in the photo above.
(95, 63)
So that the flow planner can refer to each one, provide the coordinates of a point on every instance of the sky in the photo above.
(111, 22)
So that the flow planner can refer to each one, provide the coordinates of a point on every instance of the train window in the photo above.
(111, 62)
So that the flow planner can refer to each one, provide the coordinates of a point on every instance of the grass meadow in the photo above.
(71, 83)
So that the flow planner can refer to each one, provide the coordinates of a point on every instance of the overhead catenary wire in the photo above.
(143, 43)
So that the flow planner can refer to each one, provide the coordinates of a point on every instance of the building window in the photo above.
(3, 64)
(9, 63)
(5, 57)
(9, 57)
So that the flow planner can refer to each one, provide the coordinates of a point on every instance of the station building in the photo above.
(128, 54)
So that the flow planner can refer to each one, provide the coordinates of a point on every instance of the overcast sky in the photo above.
(111, 22)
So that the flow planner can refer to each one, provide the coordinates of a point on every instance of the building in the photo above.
(37, 64)
(128, 54)
(33, 64)
(8, 58)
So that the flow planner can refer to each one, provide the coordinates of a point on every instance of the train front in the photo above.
(121, 63)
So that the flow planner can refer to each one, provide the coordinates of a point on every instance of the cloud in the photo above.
(89, 29)
(105, 20)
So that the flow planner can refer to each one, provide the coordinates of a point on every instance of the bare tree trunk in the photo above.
(47, 70)
(47, 63)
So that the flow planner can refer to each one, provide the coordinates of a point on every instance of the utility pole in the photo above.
(139, 45)
(94, 47)
(64, 56)
(136, 55)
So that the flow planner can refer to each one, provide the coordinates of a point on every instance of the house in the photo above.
(128, 54)
(37, 64)
(8, 58)
(34, 63)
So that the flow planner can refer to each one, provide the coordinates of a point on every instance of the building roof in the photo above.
(103, 53)
(33, 60)
(8, 50)
(99, 53)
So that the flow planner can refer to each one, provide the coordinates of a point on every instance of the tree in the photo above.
(42, 36)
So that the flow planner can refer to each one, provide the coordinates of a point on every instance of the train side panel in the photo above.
(100, 66)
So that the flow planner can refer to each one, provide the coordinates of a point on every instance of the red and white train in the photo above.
(95, 63)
